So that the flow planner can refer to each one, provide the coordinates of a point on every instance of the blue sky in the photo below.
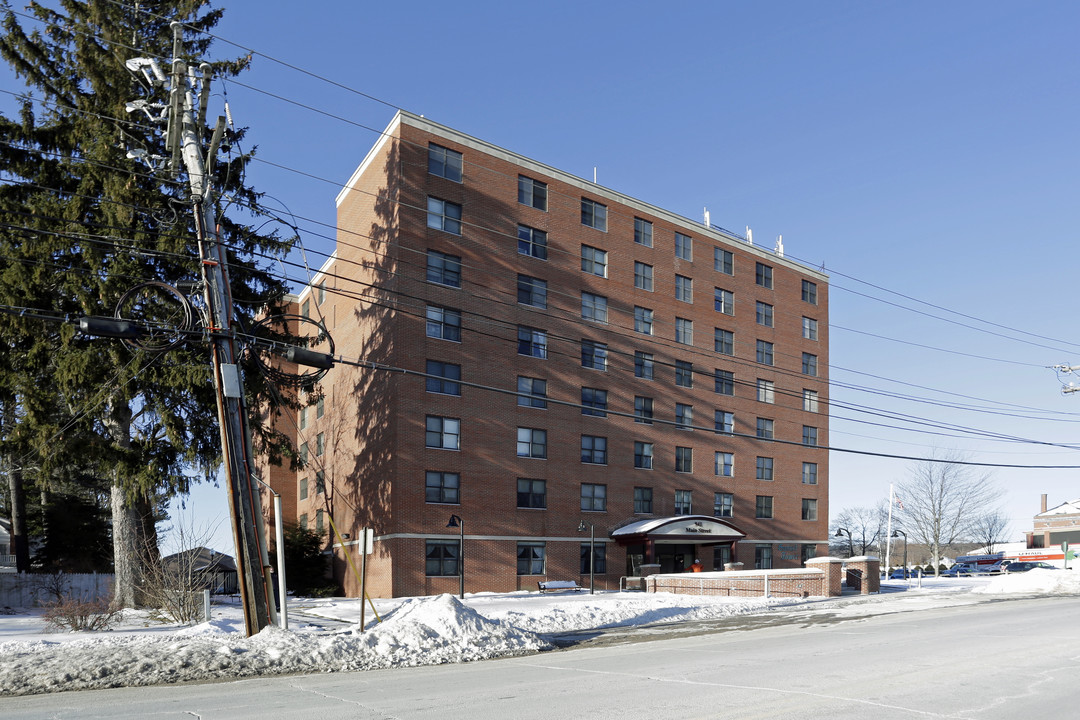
(926, 149)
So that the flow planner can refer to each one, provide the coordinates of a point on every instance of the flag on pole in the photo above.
(899, 502)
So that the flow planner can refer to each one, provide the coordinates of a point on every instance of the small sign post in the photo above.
(1069, 555)
(367, 541)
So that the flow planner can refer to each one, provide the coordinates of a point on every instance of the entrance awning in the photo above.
(680, 529)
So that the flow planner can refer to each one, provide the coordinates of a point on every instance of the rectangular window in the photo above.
(446, 378)
(532, 342)
(763, 275)
(643, 410)
(684, 416)
(810, 401)
(594, 261)
(721, 557)
(724, 464)
(724, 422)
(444, 162)
(531, 443)
(642, 232)
(809, 473)
(724, 341)
(684, 247)
(441, 558)
(444, 215)
(303, 454)
(442, 487)
(643, 320)
(443, 323)
(599, 558)
(764, 314)
(723, 261)
(593, 497)
(723, 505)
(594, 307)
(724, 301)
(684, 374)
(303, 488)
(643, 276)
(594, 450)
(809, 435)
(320, 293)
(765, 428)
(684, 459)
(532, 493)
(766, 391)
(533, 392)
(320, 444)
(443, 432)
(643, 500)
(725, 382)
(532, 242)
(303, 417)
(320, 406)
(593, 355)
(643, 458)
(763, 507)
(643, 365)
(764, 468)
(530, 558)
(305, 309)
(764, 352)
(532, 291)
(443, 269)
(684, 331)
(683, 504)
(809, 509)
(809, 292)
(684, 288)
(809, 364)
(763, 557)
(593, 214)
(532, 193)
(593, 402)
(809, 552)
(809, 328)
(320, 482)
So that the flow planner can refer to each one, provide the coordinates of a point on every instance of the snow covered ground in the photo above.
(325, 636)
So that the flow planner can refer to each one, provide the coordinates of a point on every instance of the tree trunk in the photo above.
(128, 531)
(20, 543)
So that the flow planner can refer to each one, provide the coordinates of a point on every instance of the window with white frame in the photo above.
(643, 500)
(643, 455)
(642, 232)
(532, 193)
(764, 352)
(763, 507)
(531, 443)
(724, 464)
(444, 215)
(594, 307)
(531, 291)
(723, 261)
(723, 505)
(763, 556)
(443, 433)
(809, 435)
(809, 473)
(766, 391)
(684, 247)
(643, 365)
(444, 162)
(683, 502)
(724, 301)
(643, 320)
(684, 459)
(532, 342)
(532, 242)
(443, 269)
(594, 355)
(724, 382)
(809, 328)
(809, 509)
(724, 341)
(643, 276)
(809, 292)
(593, 214)
(684, 416)
(809, 364)
(643, 409)
(810, 400)
(764, 314)
(684, 374)
(764, 468)
(594, 261)
(684, 289)
(724, 422)
(763, 275)
(443, 323)
(684, 331)
(765, 428)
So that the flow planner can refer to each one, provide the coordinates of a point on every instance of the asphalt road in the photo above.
(1006, 659)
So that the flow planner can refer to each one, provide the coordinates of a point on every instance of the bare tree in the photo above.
(943, 499)
(866, 526)
(989, 529)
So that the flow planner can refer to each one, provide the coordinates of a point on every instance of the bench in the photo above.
(549, 585)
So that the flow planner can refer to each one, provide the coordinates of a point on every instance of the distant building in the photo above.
(1056, 525)
(7, 554)
(541, 357)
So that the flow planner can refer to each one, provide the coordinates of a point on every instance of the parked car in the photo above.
(901, 574)
(1018, 567)
(957, 571)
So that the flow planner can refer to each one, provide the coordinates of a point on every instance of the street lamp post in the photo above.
(840, 532)
(592, 553)
(456, 521)
(897, 533)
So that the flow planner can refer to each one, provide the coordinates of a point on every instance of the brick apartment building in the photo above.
(541, 354)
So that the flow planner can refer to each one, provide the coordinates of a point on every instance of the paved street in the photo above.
(999, 659)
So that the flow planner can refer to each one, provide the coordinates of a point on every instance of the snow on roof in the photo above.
(1069, 508)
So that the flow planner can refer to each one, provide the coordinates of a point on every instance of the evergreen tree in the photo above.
(84, 223)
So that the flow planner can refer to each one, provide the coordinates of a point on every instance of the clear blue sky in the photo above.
(923, 148)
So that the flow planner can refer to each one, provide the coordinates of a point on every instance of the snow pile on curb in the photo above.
(423, 631)
(1037, 581)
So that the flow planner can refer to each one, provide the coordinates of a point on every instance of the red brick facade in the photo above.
(375, 452)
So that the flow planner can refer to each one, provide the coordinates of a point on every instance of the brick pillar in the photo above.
(833, 568)
(870, 570)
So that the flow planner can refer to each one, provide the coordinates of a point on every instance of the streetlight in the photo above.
(457, 522)
(840, 532)
(592, 552)
(898, 533)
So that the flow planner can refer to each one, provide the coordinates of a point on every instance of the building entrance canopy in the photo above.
(678, 530)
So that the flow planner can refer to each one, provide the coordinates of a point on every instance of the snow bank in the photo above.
(1037, 582)
(422, 631)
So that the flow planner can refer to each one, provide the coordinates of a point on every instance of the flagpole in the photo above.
(888, 532)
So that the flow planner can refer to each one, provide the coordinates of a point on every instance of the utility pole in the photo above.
(186, 119)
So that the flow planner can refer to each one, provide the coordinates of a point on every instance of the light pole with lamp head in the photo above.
(456, 521)
(840, 532)
(592, 553)
(898, 533)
